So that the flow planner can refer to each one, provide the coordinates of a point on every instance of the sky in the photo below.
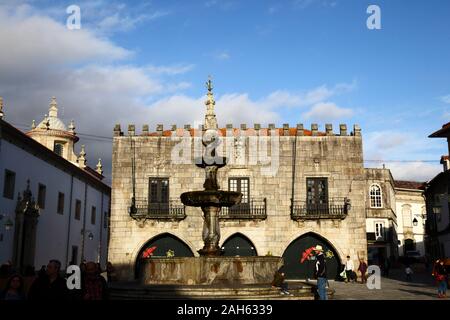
(291, 61)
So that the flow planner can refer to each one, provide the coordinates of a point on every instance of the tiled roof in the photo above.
(409, 185)
(444, 132)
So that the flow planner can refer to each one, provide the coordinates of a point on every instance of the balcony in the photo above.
(337, 208)
(255, 209)
(172, 210)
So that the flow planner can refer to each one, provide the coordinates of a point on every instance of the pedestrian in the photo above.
(14, 289)
(94, 286)
(50, 286)
(349, 268)
(408, 273)
(111, 272)
(363, 269)
(279, 281)
(321, 273)
(440, 274)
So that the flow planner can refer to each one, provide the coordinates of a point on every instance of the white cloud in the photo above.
(223, 56)
(386, 140)
(327, 111)
(414, 171)
(445, 99)
(170, 70)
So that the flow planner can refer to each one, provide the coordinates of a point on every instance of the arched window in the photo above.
(238, 245)
(375, 196)
(58, 148)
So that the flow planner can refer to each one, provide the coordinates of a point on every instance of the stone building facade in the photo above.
(301, 188)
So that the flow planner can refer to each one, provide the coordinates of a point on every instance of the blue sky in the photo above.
(292, 61)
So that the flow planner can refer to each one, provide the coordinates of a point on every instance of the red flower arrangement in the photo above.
(148, 252)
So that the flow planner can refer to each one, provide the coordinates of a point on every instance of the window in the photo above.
(8, 187)
(77, 209)
(60, 208)
(93, 214)
(58, 148)
(74, 257)
(379, 231)
(317, 191)
(41, 196)
(105, 219)
(240, 185)
(407, 216)
(159, 190)
(375, 196)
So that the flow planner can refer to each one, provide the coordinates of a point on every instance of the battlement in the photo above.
(243, 129)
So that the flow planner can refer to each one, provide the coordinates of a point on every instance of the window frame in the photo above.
(383, 231)
(246, 196)
(316, 196)
(9, 188)
(93, 215)
(160, 197)
(77, 215)
(60, 203)
(41, 195)
(62, 145)
(375, 196)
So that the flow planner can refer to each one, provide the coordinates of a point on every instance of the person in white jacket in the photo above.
(349, 268)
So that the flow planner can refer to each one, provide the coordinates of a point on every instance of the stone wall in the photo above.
(336, 157)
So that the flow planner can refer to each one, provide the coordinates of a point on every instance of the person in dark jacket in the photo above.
(278, 281)
(363, 270)
(321, 273)
(14, 290)
(441, 276)
(94, 286)
(50, 286)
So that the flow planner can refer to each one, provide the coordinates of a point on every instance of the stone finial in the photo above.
(145, 129)
(159, 129)
(53, 110)
(314, 129)
(33, 124)
(174, 127)
(210, 116)
(257, 126)
(343, 129)
(99, 167)
(271, 126)
(1, 108)
(72, 127)
(356, 130)
(81, 160)
(300, 129)
(243, 126)
(329, 129)
(187, 127)
(131, 130)
(117, 130)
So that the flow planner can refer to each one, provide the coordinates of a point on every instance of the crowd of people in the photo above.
(49, 283)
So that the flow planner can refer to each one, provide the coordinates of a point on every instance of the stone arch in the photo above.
(240, 245)
(293, 253)
(163, 241)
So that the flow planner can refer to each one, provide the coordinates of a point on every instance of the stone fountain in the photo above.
(210, 268)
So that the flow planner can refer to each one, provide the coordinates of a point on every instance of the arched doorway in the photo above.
(238, 245)
(163, 243)
(293, 254)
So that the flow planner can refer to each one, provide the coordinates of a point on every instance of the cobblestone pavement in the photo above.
(422, 287)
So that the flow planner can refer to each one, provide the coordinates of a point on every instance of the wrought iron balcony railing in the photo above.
(255, 209)
(143, 209)
(336, 208)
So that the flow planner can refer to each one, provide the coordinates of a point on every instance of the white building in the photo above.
(411, 216)
(52, 206)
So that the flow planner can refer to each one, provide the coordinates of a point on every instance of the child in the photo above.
(408, 272)
(278, 281)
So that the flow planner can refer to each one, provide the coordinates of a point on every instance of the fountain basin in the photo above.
(211, 198)
(209, 270)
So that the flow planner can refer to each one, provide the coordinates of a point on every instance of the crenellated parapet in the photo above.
(243, 129)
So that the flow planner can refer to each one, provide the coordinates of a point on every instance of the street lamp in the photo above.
(415, 222)
(8, 223)
(90, 235)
